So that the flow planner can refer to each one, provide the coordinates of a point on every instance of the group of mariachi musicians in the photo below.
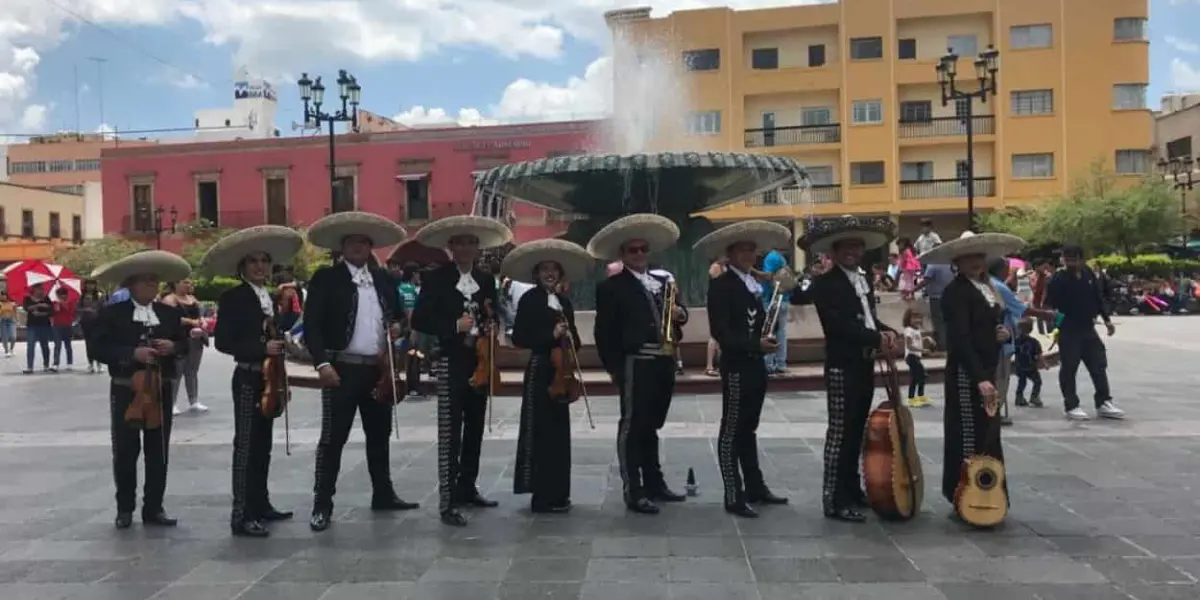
(353, 314)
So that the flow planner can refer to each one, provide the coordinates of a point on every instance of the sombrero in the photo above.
(490, 232)
(279, 242)
(763, 234)
(166, 265)
(660, 232)
(821, 235)
(991, 245)
(329, 231)
(520, 262)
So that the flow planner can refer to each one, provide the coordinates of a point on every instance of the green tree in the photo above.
(200, 236)
(84, 258)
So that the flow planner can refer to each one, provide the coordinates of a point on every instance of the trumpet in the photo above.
(783, 281)
(667, 335)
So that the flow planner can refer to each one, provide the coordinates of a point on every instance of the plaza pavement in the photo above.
(1103, 510)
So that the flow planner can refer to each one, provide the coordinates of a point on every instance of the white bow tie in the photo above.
(144, 315)
(362, 277)
(264, 300)
(467, 286)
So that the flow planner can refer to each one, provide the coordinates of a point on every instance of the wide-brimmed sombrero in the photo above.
(329, 231)
(279, 242)
(763, 234)
(490, 232)
(166, 265)
(658, 231)
(991, 245)
(821, 235)
(574, 259)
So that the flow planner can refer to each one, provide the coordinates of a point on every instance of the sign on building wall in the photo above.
(243, 90)
(477, 145)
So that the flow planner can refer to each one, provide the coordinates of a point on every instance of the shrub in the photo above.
(1146, 265)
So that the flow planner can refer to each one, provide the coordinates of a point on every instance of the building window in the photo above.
(208, 205)
(343, 193)
(1030, 36)
(963, 45)
(34, 166)
(76, 189)
(916, 171)
(3, 223)
(1032, 166)
(866, 173)
(906, 49)
(868, 111)
(87, 164)
(1129, 96)
(1131, 29)
(866, 48)
(143, 207)
(764, 58)
(60, 166)
(77, 229)
(704, 123)
(227, 122)
(416, 193)
(820, 175)
(1032, 102)
(277, 209)
(1180, 148)
(1133, 162)
(916, 111)
(55, 226)
(816, 55)
(27, 223)
(816, 116)
(708, 59)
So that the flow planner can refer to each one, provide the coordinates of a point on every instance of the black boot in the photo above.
(765, 496)
(741, 509)
(273, 514)
(662, 493)
(642, 506)
(320, 520)
(390, 501)
(845, 513)
(254, 529)
(124, 520)
(158, 518)
(453, 518)
(474, 498)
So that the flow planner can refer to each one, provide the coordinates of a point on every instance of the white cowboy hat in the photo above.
(821, 235)
(658, 231)
(522, 260)
(991, 245)
(279, 242)
(490, 232)
(329, 231)
(166, 265)
(763, 234)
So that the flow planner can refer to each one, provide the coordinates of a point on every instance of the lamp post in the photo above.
(1182, 178)
(986, 67)
(313, 95)
(155, 216)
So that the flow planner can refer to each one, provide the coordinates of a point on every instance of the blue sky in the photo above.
(467, 60)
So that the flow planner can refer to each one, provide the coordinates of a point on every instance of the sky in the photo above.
(149, 64)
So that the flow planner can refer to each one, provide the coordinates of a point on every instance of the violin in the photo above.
(566, 382)
(146, 410)
(276, 394)
(487, 372)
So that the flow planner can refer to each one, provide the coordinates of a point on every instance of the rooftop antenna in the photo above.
(100, 84)
(76, 72)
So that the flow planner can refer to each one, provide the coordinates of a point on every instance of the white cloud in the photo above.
(1182, 45)
(187, 81)
(33, 118)
(1184, 77)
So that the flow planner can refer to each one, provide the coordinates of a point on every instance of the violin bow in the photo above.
(391, 352)
(287, 398)
(587, 406)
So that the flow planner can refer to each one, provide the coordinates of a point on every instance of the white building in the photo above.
(251, 117)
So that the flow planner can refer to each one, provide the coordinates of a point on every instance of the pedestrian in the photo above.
(929, 238)
(180, 298)
(38, 331)
(1028, 363)
(89, 307)
(936, 278)
(1014, 310)
(63, 324)
(1075, 292)
(776, 361)
(914, 346)
(8, 324)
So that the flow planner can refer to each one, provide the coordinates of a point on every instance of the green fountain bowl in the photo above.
(666, 183)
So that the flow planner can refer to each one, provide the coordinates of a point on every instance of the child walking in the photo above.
(1028, 356)
(914, 348)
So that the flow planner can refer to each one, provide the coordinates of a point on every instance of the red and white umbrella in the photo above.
(34, 272)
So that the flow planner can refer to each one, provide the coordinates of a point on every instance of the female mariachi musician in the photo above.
(247, 329)
(545, 325)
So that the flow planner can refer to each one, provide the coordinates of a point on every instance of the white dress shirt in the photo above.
(264, 299)
(367, 338)
(144, 314)
(861, 288)
(752, 284)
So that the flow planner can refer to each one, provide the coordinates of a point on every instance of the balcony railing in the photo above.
(946, 188)
(237, 219)
(947, 126)
(798, 135)
(818, 194)
(131, 225)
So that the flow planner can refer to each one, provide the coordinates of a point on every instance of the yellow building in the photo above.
(851, 91)
(34, 222)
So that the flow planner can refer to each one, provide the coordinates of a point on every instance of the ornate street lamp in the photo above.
(986, 67)
(313, 94)
(1182, 176)
(155, 217)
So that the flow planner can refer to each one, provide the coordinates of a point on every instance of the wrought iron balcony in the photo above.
(947, 126)
(138, 225)
(797, 135)
(985, 187)
(237, 219)
(818, 194)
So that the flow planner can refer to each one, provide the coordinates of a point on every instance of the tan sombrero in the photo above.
(490, 232)
(991, 245)
(329, 231)
(166, 265)
(763, 234)
(279, 242)
(658, 231)
(521, 261)
(821, 235)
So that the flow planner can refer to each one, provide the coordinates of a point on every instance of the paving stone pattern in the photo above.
(1101, 511)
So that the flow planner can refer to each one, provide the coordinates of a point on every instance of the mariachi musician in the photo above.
(352, 311)
(459, 306)
(250, 330)
(845, 303)
(139, 340)
(634, 331)
(545, 325)
(738, 308)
